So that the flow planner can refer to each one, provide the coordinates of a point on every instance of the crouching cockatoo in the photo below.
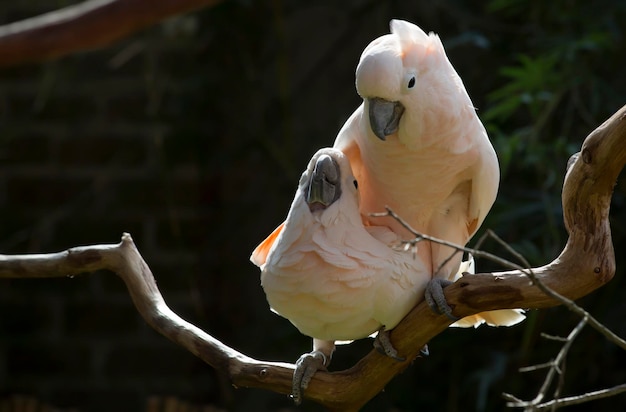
(333, 277)
(417, 146)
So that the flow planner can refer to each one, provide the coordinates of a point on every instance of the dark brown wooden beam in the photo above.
(86, 26)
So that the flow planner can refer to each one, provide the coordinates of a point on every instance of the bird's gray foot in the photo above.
(436, 300)
(306, 366)
(382, 344)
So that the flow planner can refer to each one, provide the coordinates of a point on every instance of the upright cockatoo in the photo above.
(333, 277)
(417, 146)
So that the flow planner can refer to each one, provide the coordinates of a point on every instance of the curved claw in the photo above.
(436, 300)
(306, 366)
(382, 344)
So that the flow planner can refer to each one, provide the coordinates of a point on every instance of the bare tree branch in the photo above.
(568, 401)
(586, 263)
(568, 303)
(578, 399)
(85, 26)
(556, 366)
(125, 260)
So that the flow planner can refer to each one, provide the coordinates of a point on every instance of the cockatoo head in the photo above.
(328, 182)
(402, 75)
(327, 196)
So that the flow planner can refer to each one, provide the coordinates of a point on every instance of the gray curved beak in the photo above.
(384, 116)
(324, 186)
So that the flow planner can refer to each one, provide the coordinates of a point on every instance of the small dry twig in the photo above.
(556, 367)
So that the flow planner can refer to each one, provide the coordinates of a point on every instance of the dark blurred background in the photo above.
(191, 136)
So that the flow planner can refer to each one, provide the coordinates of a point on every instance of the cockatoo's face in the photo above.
(394, 74)
(327, 196)
(328, 179)
(380, 79)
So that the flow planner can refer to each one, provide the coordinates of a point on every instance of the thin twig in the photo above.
(568, 303)
(587, 397)
(552, 337)
(419, 237)
(556, 367)
(557, 364)
(490, 233)
(536, 367)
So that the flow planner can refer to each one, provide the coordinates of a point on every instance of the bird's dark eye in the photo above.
(356, 184)
(411, 82)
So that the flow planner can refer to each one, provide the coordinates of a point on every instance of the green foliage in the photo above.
(555, 89)
(530, 83)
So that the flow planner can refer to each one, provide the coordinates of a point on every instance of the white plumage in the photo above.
(329, 274)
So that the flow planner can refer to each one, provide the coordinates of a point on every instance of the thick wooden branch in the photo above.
(85, 26)
(586, 263)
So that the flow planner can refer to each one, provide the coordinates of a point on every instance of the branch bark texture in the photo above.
(85, 26)
(586, 263)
